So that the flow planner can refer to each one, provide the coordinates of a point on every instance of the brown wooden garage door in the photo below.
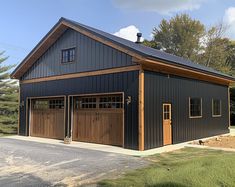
(99, 119)
(47, 118)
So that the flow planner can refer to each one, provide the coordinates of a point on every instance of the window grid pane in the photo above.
(68, 55)
(216, 107)
(166, 112)
(103, 102)
(195, 107)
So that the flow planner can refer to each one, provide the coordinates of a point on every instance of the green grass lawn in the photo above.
(186, 167)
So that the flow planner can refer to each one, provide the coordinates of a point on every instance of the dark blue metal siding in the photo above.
(126, 82)
(90, 55)
(159, 89)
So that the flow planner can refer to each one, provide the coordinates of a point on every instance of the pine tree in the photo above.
(8, 99)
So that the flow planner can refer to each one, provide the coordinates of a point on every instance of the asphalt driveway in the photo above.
(26, 163)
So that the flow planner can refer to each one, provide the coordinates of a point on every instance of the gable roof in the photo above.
(131, 48)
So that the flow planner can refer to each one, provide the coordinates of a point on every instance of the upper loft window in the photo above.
(216, 107)
(68, 55)
(195, 107)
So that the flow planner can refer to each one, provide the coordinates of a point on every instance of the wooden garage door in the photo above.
(47, 118)
(99, 119)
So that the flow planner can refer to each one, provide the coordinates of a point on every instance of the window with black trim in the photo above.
(195, 107)
(68, 55)
(216, 107)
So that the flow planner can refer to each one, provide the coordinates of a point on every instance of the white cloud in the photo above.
(229, 20)
(128, 33)
(160, 6)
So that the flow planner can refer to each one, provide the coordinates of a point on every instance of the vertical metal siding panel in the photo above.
(91, 55)
(77, 42)
(81, 64)
(120, 82)
(89, 52)
(113, 58)
(177, 91)
(97, 46)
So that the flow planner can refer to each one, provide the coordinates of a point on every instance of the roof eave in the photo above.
(57, 27)
(225, 79)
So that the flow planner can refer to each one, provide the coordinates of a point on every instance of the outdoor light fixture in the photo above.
(128, 100)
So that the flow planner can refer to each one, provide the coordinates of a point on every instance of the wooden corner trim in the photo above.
(82, 74)
(141, 109)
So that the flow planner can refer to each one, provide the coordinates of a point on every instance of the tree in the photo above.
(218, 51)
(8, 99)
(188, 38)
(180, 36)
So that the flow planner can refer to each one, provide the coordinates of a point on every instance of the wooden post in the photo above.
(141, 109)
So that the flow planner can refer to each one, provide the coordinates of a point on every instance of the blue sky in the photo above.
(23, 23)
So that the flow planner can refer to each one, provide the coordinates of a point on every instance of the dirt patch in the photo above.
(220, 141)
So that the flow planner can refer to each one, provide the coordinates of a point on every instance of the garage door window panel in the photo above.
(111, 102)
(86, 103)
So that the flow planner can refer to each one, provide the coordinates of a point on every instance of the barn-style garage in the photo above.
(47, 118)
(90, 86)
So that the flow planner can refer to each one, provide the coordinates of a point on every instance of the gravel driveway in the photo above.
(25, 163)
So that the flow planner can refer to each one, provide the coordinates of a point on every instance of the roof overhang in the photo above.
(39, 50)
(147, 62)
(164, 67)
(51, 38)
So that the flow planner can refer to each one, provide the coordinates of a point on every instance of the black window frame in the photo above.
(191, 115)
(68, 55)
(220, 108)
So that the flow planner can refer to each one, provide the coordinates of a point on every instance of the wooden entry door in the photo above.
(167, 130)
(99, 119)
(47, 118)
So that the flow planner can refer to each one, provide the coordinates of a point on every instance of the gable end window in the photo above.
(195, 107)
(216, 107)
(68, 55)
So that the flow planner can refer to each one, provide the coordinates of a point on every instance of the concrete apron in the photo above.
(114, 149)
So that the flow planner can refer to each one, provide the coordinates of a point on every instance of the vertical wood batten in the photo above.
(141, 109)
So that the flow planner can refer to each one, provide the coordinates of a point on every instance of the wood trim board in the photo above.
(153, 65)
(83, 74)
(141, 110)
